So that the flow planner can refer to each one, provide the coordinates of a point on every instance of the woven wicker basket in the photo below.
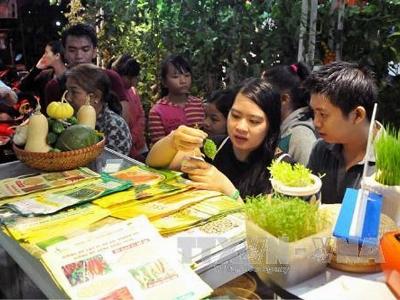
(60, 161)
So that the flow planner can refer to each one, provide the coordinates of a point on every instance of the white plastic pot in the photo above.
(309, 193)
(391, 197)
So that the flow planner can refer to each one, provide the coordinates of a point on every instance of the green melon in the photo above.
(76, 137)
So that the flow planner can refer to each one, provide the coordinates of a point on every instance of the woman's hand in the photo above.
(187, 139)
(206, 176)
(171, 149)
(42, 63)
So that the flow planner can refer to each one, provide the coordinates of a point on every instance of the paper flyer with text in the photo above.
(127, 260)
(18, 186)
(52, 201)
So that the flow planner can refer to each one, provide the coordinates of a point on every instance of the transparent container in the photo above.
(286, 263)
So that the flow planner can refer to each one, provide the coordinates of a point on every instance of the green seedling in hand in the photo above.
(210, 149)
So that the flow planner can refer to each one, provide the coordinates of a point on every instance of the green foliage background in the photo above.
(229, 40)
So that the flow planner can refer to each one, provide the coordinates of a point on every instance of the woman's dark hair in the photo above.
(126, 65)
(346, 85)
(289, 79)
(92, 78)
(256, 178)
(57, 48)
(223, 99)
(179, 63)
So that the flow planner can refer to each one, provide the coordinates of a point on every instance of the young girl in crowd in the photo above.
(128, 68)
(216, 109)
(89, 81)
(297, 130)
(176, 107)
(243, 157)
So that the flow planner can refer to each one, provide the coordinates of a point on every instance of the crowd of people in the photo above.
(317, 118)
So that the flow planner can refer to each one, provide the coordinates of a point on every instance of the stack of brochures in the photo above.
(99, 235)
(127, 260)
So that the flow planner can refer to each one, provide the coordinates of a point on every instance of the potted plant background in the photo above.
(286, 238)
(386, 179)
(295, 180)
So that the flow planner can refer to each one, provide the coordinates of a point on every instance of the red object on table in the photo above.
(390, 246)
(6, 129)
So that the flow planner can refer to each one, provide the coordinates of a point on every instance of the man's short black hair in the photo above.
(346, 85)
(80, 30)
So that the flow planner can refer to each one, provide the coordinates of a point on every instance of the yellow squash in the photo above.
(87, 115)
(60, 110)
(37, 133)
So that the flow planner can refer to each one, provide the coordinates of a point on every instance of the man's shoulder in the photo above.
(321, 146)
(323, 153)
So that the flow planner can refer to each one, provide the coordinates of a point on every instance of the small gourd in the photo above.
(60, 109)
(21, 133)
(87, 114)
(37, 133)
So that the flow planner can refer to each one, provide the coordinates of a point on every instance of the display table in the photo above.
(215, 269)
(322, 285)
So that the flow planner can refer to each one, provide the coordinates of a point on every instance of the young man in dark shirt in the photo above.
(342, 98)
(80, 46)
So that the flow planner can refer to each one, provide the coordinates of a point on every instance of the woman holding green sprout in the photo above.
(239, 167)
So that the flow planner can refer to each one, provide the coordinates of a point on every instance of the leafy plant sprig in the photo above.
(289, 218)
(210, 149)
(295, 176)
(387, 152)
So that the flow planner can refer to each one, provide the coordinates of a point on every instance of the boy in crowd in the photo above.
(80, 46)
(342, 98)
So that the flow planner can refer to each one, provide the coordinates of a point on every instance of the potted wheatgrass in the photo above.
(386, 179)
(286, 238)
(295, 180)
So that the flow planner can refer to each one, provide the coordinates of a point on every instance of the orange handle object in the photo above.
(390, 245)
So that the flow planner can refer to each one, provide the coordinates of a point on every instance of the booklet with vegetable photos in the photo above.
(26, 184)
(128, 260)
(54, 200)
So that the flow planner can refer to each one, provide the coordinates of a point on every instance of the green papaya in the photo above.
(76, 137)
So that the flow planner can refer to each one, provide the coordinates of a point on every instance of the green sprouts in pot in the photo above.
(295, 176)
(289, 218)
(387, 155)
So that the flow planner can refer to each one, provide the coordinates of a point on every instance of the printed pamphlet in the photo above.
(126, 260)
